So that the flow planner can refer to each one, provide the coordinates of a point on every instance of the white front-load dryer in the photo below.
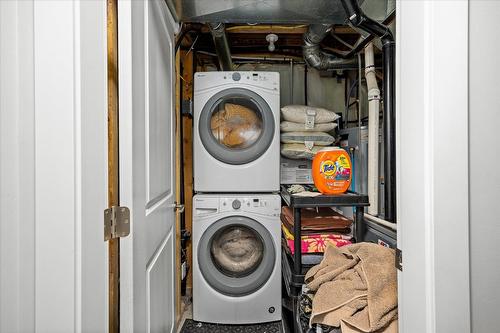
(236, 258)
(236, 133)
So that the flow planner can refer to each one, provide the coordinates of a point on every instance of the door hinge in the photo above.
(179, 208)
(116, 222)
(399, 259)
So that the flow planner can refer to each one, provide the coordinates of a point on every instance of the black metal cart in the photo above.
(292, 268)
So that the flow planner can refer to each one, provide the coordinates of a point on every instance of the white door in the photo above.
(146, 103)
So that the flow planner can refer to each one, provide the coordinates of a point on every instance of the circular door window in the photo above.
(236, 255)
(236, 126)
(236, 250)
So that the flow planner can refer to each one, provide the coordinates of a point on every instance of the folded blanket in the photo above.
(317, 220)
(356, 288)
(315, 243)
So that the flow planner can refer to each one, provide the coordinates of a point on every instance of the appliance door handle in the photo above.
(201, 211)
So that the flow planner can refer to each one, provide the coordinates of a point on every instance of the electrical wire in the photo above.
(347, 104)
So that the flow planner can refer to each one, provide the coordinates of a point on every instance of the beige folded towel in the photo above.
(356, 288)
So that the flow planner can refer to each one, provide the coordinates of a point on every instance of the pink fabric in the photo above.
(318, 243)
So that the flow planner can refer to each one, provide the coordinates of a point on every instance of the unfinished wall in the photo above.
(324, 92)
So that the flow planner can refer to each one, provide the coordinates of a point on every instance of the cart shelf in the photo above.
(348, 199)
(292, 268)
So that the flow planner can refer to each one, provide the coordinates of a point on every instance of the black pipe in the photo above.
(361, 45)
(305, 85)
(389, 132)
(297, 241)
(185, 29)
(360, 20)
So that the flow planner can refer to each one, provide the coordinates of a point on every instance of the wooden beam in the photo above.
(279, 29)
(343, 30)
(113, 163)
(187, 141)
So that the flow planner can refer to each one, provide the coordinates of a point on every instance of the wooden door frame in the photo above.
(113, 164)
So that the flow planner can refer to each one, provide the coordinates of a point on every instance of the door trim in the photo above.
(113, 164)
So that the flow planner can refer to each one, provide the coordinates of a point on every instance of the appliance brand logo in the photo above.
(328, 168)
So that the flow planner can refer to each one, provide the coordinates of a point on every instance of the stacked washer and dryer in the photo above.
(236, 223)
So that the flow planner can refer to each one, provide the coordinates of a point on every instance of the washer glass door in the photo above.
(236, 255)
(236, 250)
(236, 126)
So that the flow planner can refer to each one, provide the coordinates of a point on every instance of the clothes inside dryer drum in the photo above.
(237, 250)
(252, 274)
(236, 126)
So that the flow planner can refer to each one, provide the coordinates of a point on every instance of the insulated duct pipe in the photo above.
(317, 58)
(373, 124)
(218, 31)
(360, 20)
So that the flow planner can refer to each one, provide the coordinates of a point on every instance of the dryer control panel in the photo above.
(267, 80)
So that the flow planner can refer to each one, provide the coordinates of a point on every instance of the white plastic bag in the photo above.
(288, 126)
(297, 151)
(308, 115)
(309, 139)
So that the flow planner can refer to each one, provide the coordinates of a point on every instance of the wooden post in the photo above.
(113, 166)
(187, 141)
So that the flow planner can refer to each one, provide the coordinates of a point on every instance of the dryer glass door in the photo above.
(236, 126)
(236, 255)
(236, 123)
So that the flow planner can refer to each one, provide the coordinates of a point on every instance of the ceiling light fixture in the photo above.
(271, 38)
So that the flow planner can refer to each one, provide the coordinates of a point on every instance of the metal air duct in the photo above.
(317, 58)
(218, 31)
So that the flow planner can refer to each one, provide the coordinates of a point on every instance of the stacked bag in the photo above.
(304, 130)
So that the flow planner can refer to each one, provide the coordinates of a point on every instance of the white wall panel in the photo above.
(484, 158)
(53, 166)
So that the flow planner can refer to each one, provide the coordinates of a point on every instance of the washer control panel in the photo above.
(257, 204)
(264, 204)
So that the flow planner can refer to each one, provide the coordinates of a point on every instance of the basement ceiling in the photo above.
(272, 11)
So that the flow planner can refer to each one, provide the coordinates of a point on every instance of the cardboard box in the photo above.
(295, 171)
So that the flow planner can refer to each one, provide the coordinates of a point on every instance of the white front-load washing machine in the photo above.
(236, 258)
(236, 133)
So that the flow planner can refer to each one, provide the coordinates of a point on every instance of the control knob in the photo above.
(236, 204)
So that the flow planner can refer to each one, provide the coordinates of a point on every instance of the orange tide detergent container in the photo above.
(331, 170)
